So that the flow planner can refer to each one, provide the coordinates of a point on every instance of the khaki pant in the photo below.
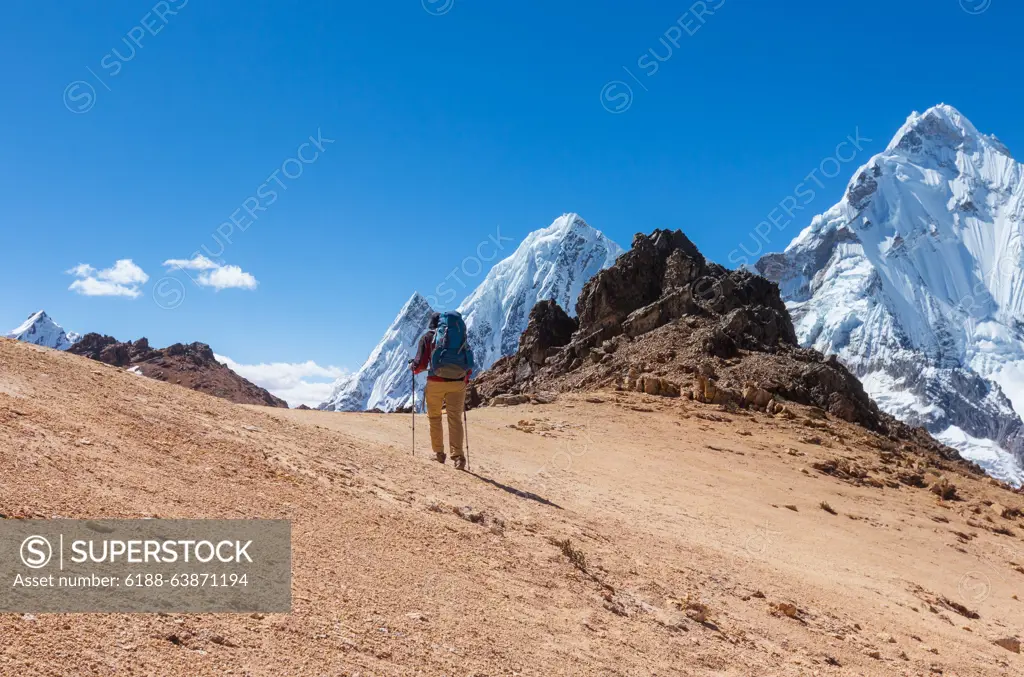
(452, 395)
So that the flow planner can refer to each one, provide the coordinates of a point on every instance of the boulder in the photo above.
(657, 386)
(509, 400)
(755, 396)
(708, 391)
(1009, 643)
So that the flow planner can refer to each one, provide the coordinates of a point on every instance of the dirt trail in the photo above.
(697, 542)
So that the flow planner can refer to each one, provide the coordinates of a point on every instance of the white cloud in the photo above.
(198, 262)
(227, 277)
(296, 383)
(216, 275)
(81, 270)
(122, 279)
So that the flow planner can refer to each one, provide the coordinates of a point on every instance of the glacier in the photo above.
(551, 263)
(915, 281)
(39, 329)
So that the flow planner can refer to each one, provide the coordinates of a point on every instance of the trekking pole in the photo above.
(413, 374)
(465, 432)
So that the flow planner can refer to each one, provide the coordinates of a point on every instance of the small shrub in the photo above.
(828, 508)
(575, 556)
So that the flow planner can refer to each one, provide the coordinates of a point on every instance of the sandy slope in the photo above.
(671, 508)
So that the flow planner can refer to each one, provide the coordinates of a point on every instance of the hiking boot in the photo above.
(460, 462)
(440, 457)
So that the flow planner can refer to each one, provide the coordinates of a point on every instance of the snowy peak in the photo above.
(915, 280)
(940, 125)
(415, 307)
(39, 329)
(551, 263)
(563, 226)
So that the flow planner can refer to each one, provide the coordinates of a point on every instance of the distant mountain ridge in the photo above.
(39, 329)
(551, 263)
(192, 366)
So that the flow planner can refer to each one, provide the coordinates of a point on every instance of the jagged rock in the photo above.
(715, 342)
(102, 349)
(636, 280)
(549, 327)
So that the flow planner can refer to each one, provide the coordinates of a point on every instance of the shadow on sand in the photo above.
(516, 492)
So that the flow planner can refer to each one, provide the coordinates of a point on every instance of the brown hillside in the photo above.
(611, 533)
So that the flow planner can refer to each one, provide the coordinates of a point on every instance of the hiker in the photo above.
(445, 355)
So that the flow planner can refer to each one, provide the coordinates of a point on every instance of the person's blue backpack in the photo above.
(452, 357)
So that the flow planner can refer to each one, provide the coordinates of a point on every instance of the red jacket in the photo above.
(421, 362)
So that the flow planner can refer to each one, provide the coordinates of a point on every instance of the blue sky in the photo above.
(134, 130)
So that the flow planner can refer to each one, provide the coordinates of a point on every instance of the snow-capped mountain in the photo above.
(551, 263)
(43, 331)
(915, 280)
(384, 381)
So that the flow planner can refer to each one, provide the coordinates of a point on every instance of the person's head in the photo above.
(434, 319)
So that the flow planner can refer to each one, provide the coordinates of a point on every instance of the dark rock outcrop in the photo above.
(549, 328)
(663, 278)
(190, 365)
(666, 322)
(109, 350)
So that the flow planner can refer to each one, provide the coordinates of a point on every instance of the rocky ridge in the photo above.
(190, 365)
(665, 321)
